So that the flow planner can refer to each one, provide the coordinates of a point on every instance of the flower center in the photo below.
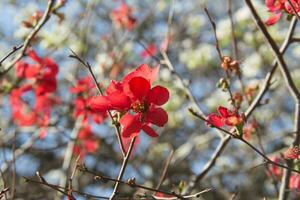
(139, 107)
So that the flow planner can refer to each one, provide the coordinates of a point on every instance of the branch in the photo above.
(18, 152)
(123, 167)
(219, 150)
(291, 86)
(246, 142)
(60, 189)
(69, 152)
(132, 183)
(267, 81)
(10, 53)
(233, 35)
(213, 24)
(29, 38)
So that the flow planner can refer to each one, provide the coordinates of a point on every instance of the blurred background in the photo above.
(86, 27)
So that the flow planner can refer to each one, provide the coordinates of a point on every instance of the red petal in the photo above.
(149, 131)
(43, 133)
(139, 87)
(90, 145)
(119, 101)
(273, 19)
(46, 86)
(51, 65)
(158, 95)
(131, 125)
(157, 116)
(32, 54)
(32, 71)
(223, 111)
(272, 6)
(144, 71)
(99, 103)
(215, 120)
(114, 86)
(21, 68)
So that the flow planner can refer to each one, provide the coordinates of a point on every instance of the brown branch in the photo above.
(60, 189)
(219, 150)
(291, 86)
(132, 183)
(30, 37)
(233, 35)
(166, 61)
(69, 152)
(3, 192)
(70, 189)
(213, 24)
(267, 81)
(246, 142)
(21, 150)
(165, 169)
(123, 167)
(10, 53)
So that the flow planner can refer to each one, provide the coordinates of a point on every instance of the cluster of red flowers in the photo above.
(277, 173)
(136, 102)
(225, 117)
(292, 153)
(40, 80)
(84, 92)
(278, 7)
(122, 16)
(87, 141)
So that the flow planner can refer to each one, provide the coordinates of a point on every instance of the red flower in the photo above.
(42, 83)
(274, 169)
(249, 129)
(122, 16)
(25, 114)
(225, 117)
(140, 103)
(277, 7)
(295, 182)
(42, 73)
(87, 142)
(150, 51)
(292, 153)
(84, 91)
(159, 195)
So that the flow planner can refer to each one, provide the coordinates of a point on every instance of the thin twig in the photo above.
(233, 35)
(30, 37)
(291, 86)
(10, 53)
(61, 189)
(72, 176)
(165, 169)
(123, 167)
(221, 146)
(21, 150)
(69, 152)
(133, 184)
(246, 142)
(213, 24)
